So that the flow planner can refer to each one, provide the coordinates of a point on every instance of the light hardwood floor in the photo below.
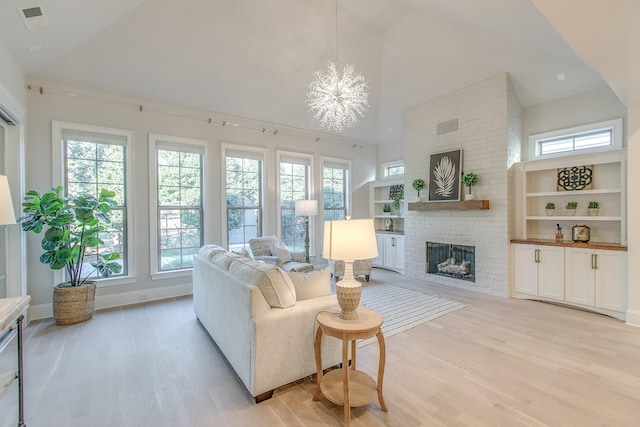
(496, 362)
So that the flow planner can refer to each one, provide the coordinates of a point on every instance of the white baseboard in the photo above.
(44, 311)
(633, 318)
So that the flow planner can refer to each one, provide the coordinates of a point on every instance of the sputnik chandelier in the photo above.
(337, 100)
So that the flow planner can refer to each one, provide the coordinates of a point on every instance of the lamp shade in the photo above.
(306, 207)
(350, 240)
(7, 216)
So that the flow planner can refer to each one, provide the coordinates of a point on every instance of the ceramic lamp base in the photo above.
(348, 292)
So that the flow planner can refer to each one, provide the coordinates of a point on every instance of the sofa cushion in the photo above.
(275, 285)
(311, 285)
(261, 246)
(281, 252)
(209, 251)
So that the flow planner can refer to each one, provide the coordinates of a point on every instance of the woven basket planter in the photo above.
(73, 304)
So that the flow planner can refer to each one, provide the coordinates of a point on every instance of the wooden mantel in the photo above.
(467, 205)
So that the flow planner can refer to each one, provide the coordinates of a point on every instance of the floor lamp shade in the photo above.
(349, 240)
(7, 215)
(306, 207)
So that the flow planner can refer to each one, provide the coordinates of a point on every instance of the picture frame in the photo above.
(445, 172)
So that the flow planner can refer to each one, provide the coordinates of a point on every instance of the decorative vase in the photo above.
(73, 304)
(593, 211)
(469, 196)
(571, 212)
(550, 212)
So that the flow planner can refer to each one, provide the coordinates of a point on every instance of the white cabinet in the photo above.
(539, 271)
(390, 251)
(590, 278)
(596, 278)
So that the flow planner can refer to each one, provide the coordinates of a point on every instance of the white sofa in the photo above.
(250, 310)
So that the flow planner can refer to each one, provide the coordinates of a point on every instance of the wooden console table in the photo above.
(11, 316)
(348, 386)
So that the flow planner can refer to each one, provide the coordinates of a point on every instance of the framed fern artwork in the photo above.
(444, 176)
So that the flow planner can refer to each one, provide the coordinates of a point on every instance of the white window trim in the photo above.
(224, 147)
(153, 200)
(58, 172)
(324, 159)
(385, 165)
(616, 139)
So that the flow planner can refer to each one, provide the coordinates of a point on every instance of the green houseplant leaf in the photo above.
(72, 226)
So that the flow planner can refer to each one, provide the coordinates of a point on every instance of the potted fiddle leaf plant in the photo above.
(72, 227)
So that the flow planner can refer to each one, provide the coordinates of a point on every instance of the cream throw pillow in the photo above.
(311, 285)
(281, 252)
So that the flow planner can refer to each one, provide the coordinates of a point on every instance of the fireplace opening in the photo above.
(456, 261)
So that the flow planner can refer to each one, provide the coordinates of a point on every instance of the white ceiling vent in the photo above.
(33, 17)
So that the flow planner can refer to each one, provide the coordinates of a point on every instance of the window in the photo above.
(335, 183)
(244, 178)
(392, 169)
(177, 226)
(295, 184)
(593, 137)
(93, 158)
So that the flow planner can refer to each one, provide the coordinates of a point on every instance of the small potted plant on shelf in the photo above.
(386, 209)
(70, 242)
(397, 202)
(469, 180)
(593, 209)
(571, 208)
(550, 209)
(418, 185)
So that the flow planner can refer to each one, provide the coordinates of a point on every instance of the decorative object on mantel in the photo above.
(559, 235)
(593, 209)
(337, 100)
(444, 176)
(580, 233)
(550, 209)
(575, 178)
(571, 208)
(74, 224)
(418, 184)
(394, 190)
(469, 180)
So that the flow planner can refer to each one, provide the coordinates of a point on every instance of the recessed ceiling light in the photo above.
(561, 77)
(33, 17)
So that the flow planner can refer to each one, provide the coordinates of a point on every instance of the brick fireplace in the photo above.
(488, 130)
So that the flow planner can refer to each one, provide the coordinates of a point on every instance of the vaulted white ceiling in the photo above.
(255, 58)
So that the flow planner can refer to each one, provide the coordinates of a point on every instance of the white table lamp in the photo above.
(306, 208)
(349, 240)
(7, 215)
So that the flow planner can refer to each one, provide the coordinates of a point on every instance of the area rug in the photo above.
(403, 308)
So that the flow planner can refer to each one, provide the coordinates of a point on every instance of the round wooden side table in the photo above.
(348, 386)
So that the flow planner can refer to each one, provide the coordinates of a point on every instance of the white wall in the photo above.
(488, 132)
(589, 107)
(12, 81)
(54, 105)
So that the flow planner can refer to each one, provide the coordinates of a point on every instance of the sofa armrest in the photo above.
(298, 256)
(270, 259)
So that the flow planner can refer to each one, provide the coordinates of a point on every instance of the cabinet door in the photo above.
(389, 251)
(611, 280)
(379, 260)
(525, 269)
(399, 252)
(579, 276)
(551, 272)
